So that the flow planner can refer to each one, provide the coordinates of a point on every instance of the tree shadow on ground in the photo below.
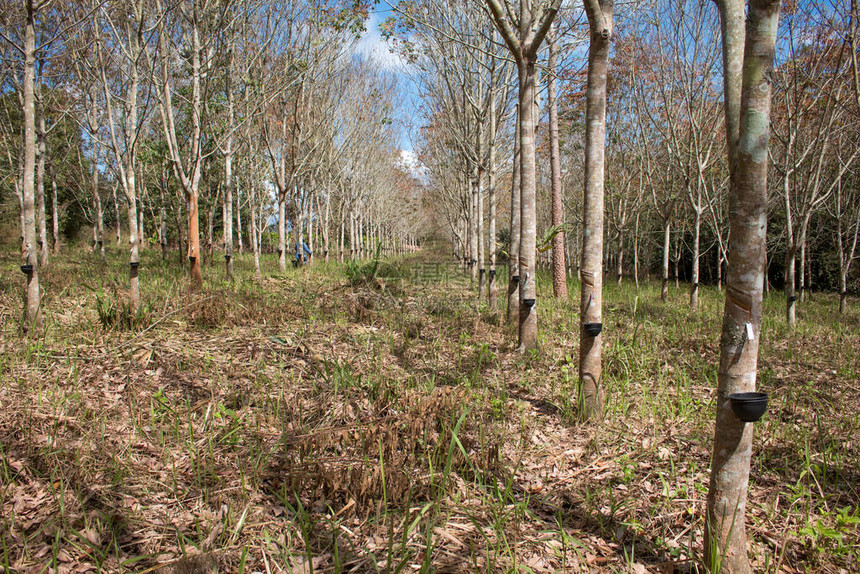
(84, 518)
(570, 514)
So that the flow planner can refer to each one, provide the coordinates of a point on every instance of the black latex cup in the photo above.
(748, 407)
(26, 268)
(593, 329)
(134, 264)
(528, 303)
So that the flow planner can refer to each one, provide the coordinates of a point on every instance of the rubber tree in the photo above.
(559, 269)
(228, 151)
(725, 530)
(121, 87)
(600, 25)
(187, 160)
(29, 248)
(514, 249)
(492, 136)
(524, 28)
(41, 160)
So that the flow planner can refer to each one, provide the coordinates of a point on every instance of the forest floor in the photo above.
(306, 422)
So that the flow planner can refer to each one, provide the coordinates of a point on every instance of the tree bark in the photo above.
(732, 31)
(255, 236)
(479, 214)
(600, 20)
(636, 252)
(99, 226)
(667, 246)
(474, 185)
(514, 248)
(55, 215)
(694, 280)
(239, 238)
(30, 251)
(134, 260)
(528, 216)
(790, 287)
(559, 275)
(41, 155)
(228, 173)
(803, 270)
(116, 216)
(492, 288)
(725, 530)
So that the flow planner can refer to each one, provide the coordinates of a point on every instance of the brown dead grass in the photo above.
(321, 418)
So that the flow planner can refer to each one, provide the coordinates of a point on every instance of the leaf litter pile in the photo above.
(313, 422)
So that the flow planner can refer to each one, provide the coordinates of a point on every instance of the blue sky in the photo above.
(372, 46)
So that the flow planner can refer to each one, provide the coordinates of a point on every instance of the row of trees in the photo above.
(667, 179)
(256, 114)
(661, 162)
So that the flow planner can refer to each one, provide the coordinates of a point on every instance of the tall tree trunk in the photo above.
(181, 252)
(117, 217)
(239, 221)
(255, 226)
(194, 241)
(162, 230)
(282, 232)
(210, 228)
(228, 174)
(694, 280)
(479, 228)
(492, 287)
(341, 235)
(559, 276)
(327, 225)
(803, 270)
(720, 268)
(514, 248)
(725, 529)
(528, 215)
(667, 246)
(352, 251)
(619, 263)
(134, 259)
(474, 185)
(636, 252)
(140, 228)
(55, 215)
(732, 31)
(41, 155)
(790, 286)
(309, 217)
(99, 226)
(299, 228)
(30, 251)
(600, 20)
(228, 208)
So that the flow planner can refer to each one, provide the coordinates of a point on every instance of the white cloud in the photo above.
(372, 46)
(410, 162)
